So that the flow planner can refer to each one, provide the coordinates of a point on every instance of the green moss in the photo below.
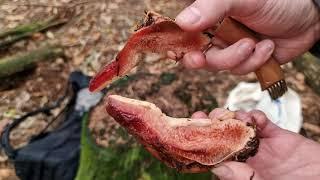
(208, 103)
(167, 78)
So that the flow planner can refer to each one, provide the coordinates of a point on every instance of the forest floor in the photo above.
(95, 32)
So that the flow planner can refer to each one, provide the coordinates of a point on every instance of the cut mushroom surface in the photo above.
(190, 145)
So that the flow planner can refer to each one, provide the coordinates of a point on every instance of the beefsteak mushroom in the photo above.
(189, 145)
(157, 34)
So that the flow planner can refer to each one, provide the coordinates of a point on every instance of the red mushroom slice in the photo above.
(189, 145)
(157, 34)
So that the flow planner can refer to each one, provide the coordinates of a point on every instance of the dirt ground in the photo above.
(95, 32)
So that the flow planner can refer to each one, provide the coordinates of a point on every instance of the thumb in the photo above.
(236, 171)
(203, 14)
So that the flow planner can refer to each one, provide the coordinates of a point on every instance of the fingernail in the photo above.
(268, 48)
(191, 61)
(221, 113)
(191, 15)
(194, 62)
(223, 172)
(226, 114)
(245, 48)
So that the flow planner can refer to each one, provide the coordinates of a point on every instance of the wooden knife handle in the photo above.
(232, 31)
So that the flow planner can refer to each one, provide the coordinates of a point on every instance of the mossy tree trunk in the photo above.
(20, 62)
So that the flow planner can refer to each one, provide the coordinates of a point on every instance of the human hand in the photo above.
(288, 27)
(282, 155)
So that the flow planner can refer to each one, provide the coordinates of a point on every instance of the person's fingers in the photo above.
(197, 60)
(266, 128)
(262, 53)
(203, 14)
(194, 60)
(230, 57)
(221, 114)
(199, 115)
(243, 116)
(217, 113)
(217, 59)
(236, 171)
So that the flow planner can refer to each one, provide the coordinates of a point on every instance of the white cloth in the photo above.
(285, 111)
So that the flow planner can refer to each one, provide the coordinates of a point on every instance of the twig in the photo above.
(51, 5)
(311, 127)
(10, 36)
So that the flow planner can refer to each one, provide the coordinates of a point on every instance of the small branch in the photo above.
(51, 5)
(20, 62)
(10, 36)
(29, 27)
(311, 127)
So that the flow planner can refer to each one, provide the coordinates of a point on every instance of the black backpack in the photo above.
(53, 155)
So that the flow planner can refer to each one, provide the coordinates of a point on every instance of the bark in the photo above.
(309, 65)
(20, 62)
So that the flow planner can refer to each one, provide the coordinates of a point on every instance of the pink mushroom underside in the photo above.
(202, 140)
